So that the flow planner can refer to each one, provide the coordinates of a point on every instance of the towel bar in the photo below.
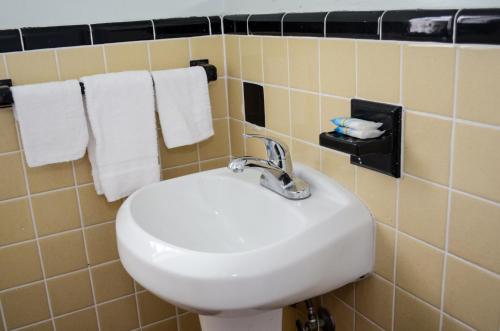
(6, 94)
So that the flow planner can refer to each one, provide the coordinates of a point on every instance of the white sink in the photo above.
(219, 244)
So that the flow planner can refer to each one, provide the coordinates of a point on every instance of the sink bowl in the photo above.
(219, 244)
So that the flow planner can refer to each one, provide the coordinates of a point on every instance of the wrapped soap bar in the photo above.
(361, 134)
(355, 123)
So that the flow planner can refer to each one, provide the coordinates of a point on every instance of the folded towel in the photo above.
(52, 122)
(123, 147)
(183, 105)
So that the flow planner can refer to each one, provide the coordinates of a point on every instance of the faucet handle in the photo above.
(277, 151)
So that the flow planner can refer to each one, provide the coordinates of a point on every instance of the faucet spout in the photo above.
(273, 177)
(276, 171)
(266, 167)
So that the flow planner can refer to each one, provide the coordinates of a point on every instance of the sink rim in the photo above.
(302, 169)
(298, 221)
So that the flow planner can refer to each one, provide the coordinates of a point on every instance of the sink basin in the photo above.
(219, 244)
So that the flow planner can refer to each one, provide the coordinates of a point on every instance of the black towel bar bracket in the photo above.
(6, 94)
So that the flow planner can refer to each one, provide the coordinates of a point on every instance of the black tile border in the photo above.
(10, 41)
(478, 26)
(181, 27)
(304, 24)
(215, 24)
(353, 24)
(235, 24)
(105, 33)
(265, 24)
(56, 36)
(434, 25)
(465, 26)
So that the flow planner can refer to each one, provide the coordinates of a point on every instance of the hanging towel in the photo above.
(183, 105)
(123, 147)
(52, 122)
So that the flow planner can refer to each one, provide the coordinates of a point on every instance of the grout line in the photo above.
(69, 273)
(21, 39)
(61, 189)
(9, 153)
(2, 316)
(56, 60)
(290, 113)
(399, 288)
(450, 185)
(320, 99)
(91, 34)
(324, 25)
(241, 107)
(150, 67)
(282, 25)
(35, 231)
(210, 27)
(394, 270)
(56, 234)
(380, 21)
(154, 30)
(105, 58)
(455, 18)
(162, 320)
(398, 190)
(356, 70)
(370, 321)
(400, 74)
(226, 97)
(85, 245)
(262, 59)
(4, 63)
(136, 296)
(466, 326)
(248, 25)
(197, 145)
(177, 317)
(31, 325)
(478, 124)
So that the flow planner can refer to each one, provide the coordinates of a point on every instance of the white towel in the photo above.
(123, 147)
(52, 122)
(183, 105)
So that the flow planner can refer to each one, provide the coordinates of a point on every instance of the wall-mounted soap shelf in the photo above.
(6, 94)
(382, 154)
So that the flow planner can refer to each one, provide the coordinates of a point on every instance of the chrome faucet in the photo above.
(277, 170)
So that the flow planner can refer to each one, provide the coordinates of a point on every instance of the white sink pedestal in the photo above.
(268, 321)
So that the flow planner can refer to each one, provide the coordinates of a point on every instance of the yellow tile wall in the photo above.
(437, 253)
(437, 263)
(58, 258)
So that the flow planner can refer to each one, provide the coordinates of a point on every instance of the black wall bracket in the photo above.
(5, 94)
(382, 154)
(210, 69)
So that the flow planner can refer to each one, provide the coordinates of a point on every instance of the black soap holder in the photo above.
(382, 154)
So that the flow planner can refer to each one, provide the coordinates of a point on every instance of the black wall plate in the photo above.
(253, 95)
(5, 93)
(382, 154)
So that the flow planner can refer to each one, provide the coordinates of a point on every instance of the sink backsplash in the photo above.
(437, 252)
